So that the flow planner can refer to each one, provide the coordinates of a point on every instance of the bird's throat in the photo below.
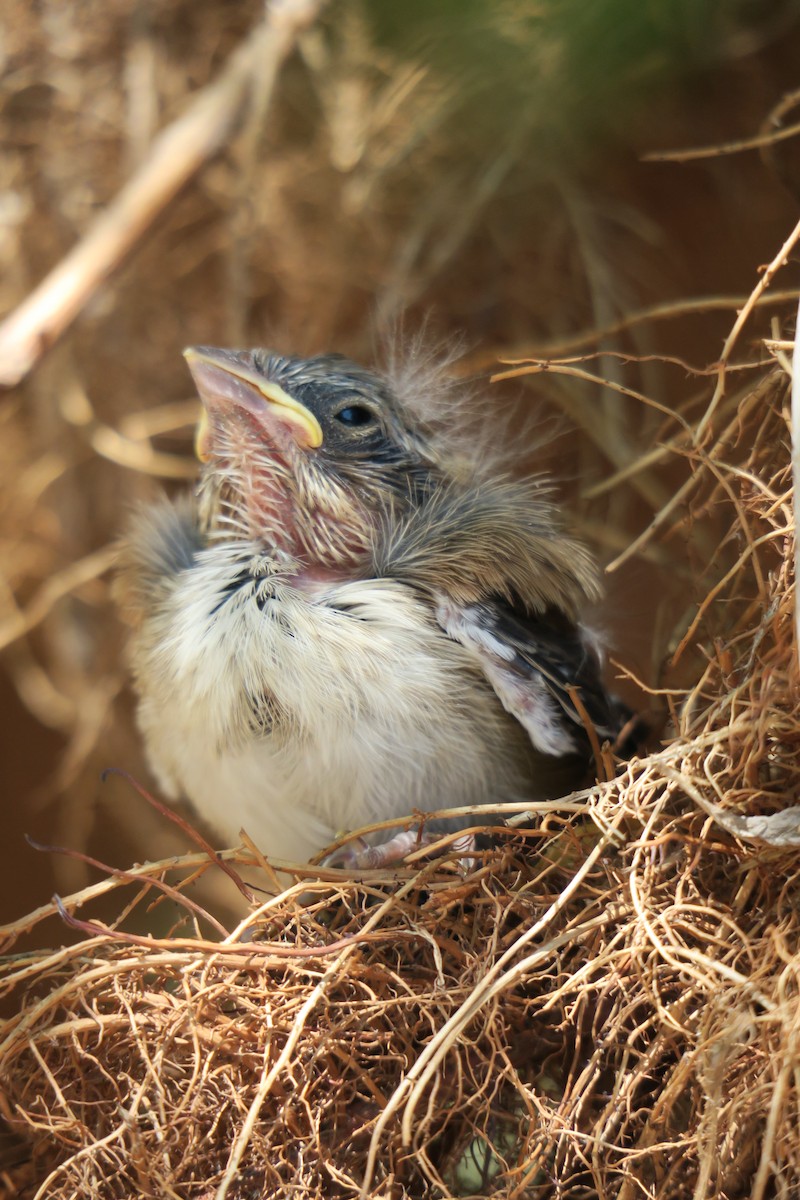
(327, 541)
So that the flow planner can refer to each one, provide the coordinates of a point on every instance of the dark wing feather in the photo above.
(537, 664)
(508, 584)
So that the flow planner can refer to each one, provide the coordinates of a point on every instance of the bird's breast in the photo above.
(340, 700)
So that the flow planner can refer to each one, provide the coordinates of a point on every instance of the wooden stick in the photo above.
(177, 154)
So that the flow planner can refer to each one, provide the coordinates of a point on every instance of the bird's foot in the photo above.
(359, 855)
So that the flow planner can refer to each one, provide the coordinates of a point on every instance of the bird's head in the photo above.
(305, 454)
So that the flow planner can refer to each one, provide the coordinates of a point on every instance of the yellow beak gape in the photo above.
(202, 438)
(296, 413)
(304, 425)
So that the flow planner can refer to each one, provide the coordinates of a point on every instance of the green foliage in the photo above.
(571, 67)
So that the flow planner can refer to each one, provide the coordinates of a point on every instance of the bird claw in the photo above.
(359, 855)
(347, 857)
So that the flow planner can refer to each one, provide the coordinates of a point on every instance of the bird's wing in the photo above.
(544, 669)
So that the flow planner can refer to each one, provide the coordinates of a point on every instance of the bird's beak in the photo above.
(226, 377)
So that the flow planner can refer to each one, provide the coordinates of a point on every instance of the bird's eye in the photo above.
(354, 414)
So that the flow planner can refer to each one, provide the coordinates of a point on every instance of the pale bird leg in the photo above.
(361, 856)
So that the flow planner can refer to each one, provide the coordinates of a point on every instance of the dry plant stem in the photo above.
(405, 286)
(594, 425)
(239, 951)
(567, 367)
(685, 959)
(796, 473)
(194, 835)
(110, 444)
(84, 1152)
(682, 494)
(718, 588)
(17, 1029)
(118, 447)
(591, 733)
(576, 802)
(176, 155)
(780, 260)
(160, 884)
(164, 418)
(268, 1077)
(605, 293)
(485, 359)
(757, 142)
(179, 952)
(780, 829)
(145, 872)
(677, 444)
(624, 357)
(518, 814)
(242, 232)
(418, 1076)
(55, 589)
(764, 1174)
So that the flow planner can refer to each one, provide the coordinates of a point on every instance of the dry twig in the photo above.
(176, 155)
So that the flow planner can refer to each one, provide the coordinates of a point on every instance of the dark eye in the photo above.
(354, 414)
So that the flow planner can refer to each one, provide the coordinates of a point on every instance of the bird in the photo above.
(358, 615)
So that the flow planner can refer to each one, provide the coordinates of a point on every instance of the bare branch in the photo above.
(177, 154)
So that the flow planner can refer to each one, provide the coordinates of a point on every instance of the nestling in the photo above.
(351, 621)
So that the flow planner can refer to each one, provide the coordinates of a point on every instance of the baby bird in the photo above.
(350, 621)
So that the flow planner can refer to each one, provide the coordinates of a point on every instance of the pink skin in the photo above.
(360, 856)
(251, 433)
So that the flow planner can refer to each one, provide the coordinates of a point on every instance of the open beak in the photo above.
(227, 377)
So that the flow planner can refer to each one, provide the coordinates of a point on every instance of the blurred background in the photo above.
(500, 170)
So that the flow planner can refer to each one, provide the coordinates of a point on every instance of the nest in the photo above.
(604, 1004)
